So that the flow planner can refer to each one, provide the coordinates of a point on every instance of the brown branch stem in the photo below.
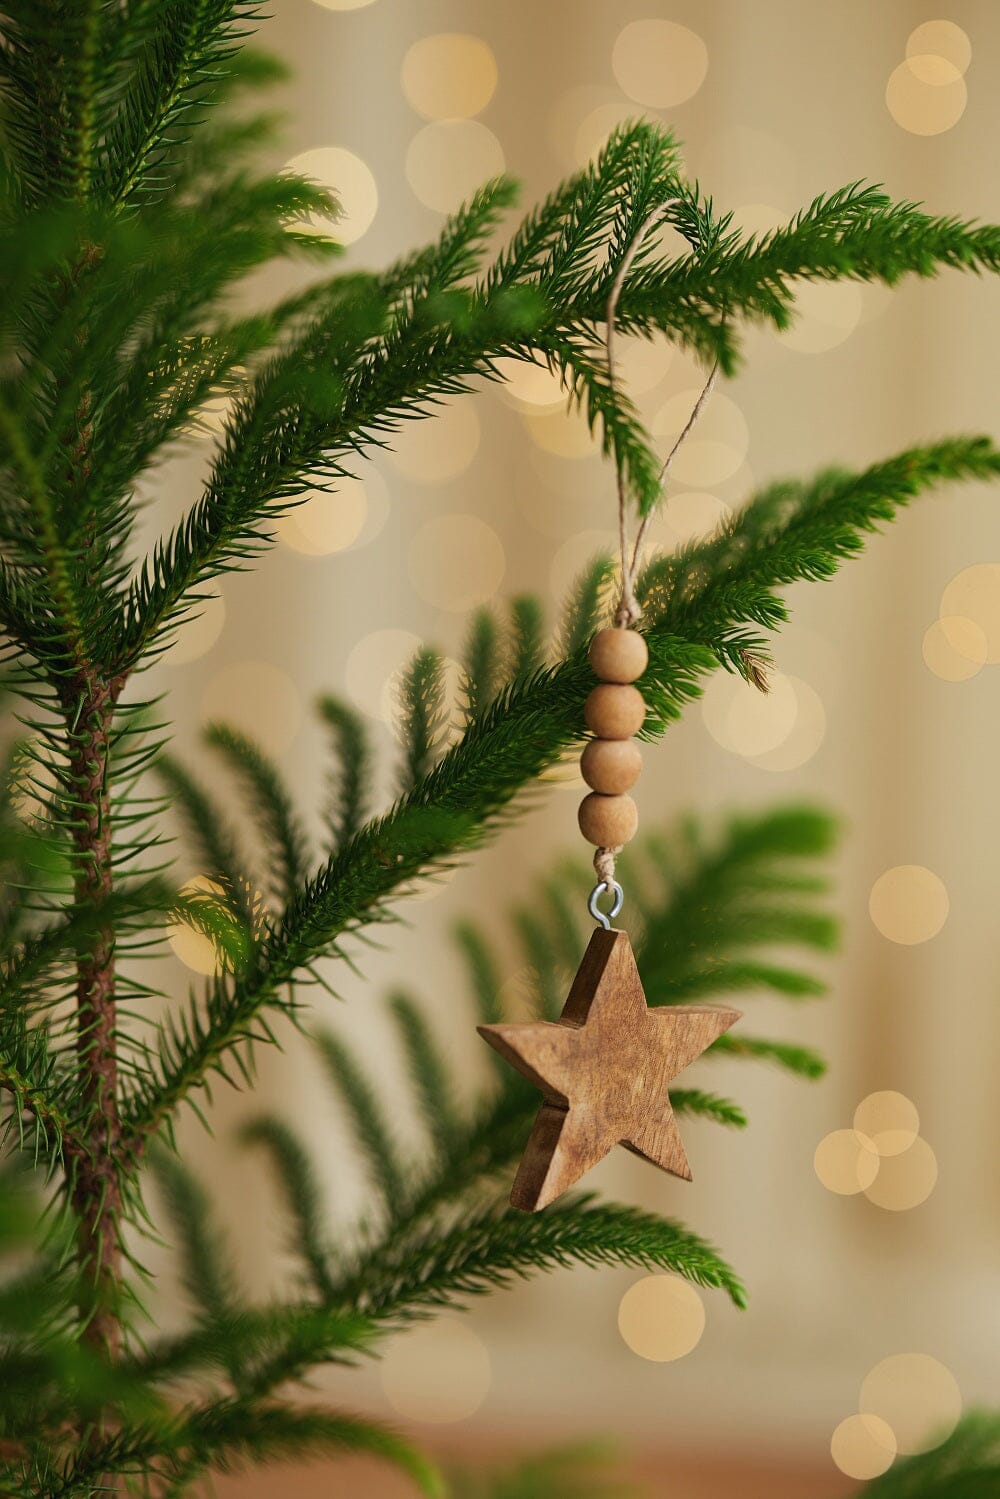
(92, 1162)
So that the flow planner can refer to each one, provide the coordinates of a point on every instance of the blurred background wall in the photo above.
(882, 712)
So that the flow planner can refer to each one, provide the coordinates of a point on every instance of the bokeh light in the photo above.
(941, 39)
(456, 561)
(917, 1396)
(350, 515)
(716, 446)
(449, 159)
(826, 313)
(926, 94)
(195, 950)
(343, 4)
(776, 730)
(372, 665)
(257, 698)
(197, 635)
(905, 1179)
(661, 1318)
(450, 76)
(805, 736)
(693, 514)
(436, 1373)
(846, 1162)
(955, 648)
(863, 1446)
(974, 594)
(908, 904)
(889, 1119)
(565, 433)
(660, 63)
(439, 447)
(593, 131)
(531, 383)
(642, 363)
(346, 175)
(575, 555)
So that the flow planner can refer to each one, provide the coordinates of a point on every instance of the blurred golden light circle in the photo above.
(717, 444)
(926, 95)
(257, 698)
(661, 1318)
(694, 515)
(826, 313)
(343, 4)
(531, 383)
(659, 62)
(917, 1396)
(448, 160)
(745, 720)
(641, 363)
(449, 76)
(908, 904)
(955, 648)
(456, 561)
(905, 1179)
(564, 433)
(863, 1446)
(350, 179)
(372, 665)
(575, 555)
(846, 1162)
(761, 721)
(437, 1372)
(974, 594)
(440, 446)
(195, 950)
(326, 523)
(806, 735)
(592, 133)
(941, 39)
(198, 634)
(890, 1119)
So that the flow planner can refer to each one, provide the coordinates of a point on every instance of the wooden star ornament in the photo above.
(603, 1068)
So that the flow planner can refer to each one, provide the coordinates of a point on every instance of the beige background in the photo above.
(793, 103)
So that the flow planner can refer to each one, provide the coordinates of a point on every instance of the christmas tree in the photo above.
(130, 214)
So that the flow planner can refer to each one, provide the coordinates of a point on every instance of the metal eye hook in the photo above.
(614, 889)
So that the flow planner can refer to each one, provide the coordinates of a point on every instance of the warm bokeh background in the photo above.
(775, 101)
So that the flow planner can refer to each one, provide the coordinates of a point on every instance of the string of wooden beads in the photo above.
(612, 761)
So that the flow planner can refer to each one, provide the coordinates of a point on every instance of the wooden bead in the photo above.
(608, 821)
(611, 766)
(618, 655)
(614, 711)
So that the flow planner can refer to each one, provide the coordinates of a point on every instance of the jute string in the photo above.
(628, 610)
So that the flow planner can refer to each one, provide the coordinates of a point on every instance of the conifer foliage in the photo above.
(131, 212)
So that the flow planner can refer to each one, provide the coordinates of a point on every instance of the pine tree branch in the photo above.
(183, 51)
(27, 1072)
(228, 1434)
(436, 1266)
(965, 1466)
(271, 804)
(710, 591)
(295, 1177)
(352, 780)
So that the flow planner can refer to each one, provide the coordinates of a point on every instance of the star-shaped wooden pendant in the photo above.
(603, 1069)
